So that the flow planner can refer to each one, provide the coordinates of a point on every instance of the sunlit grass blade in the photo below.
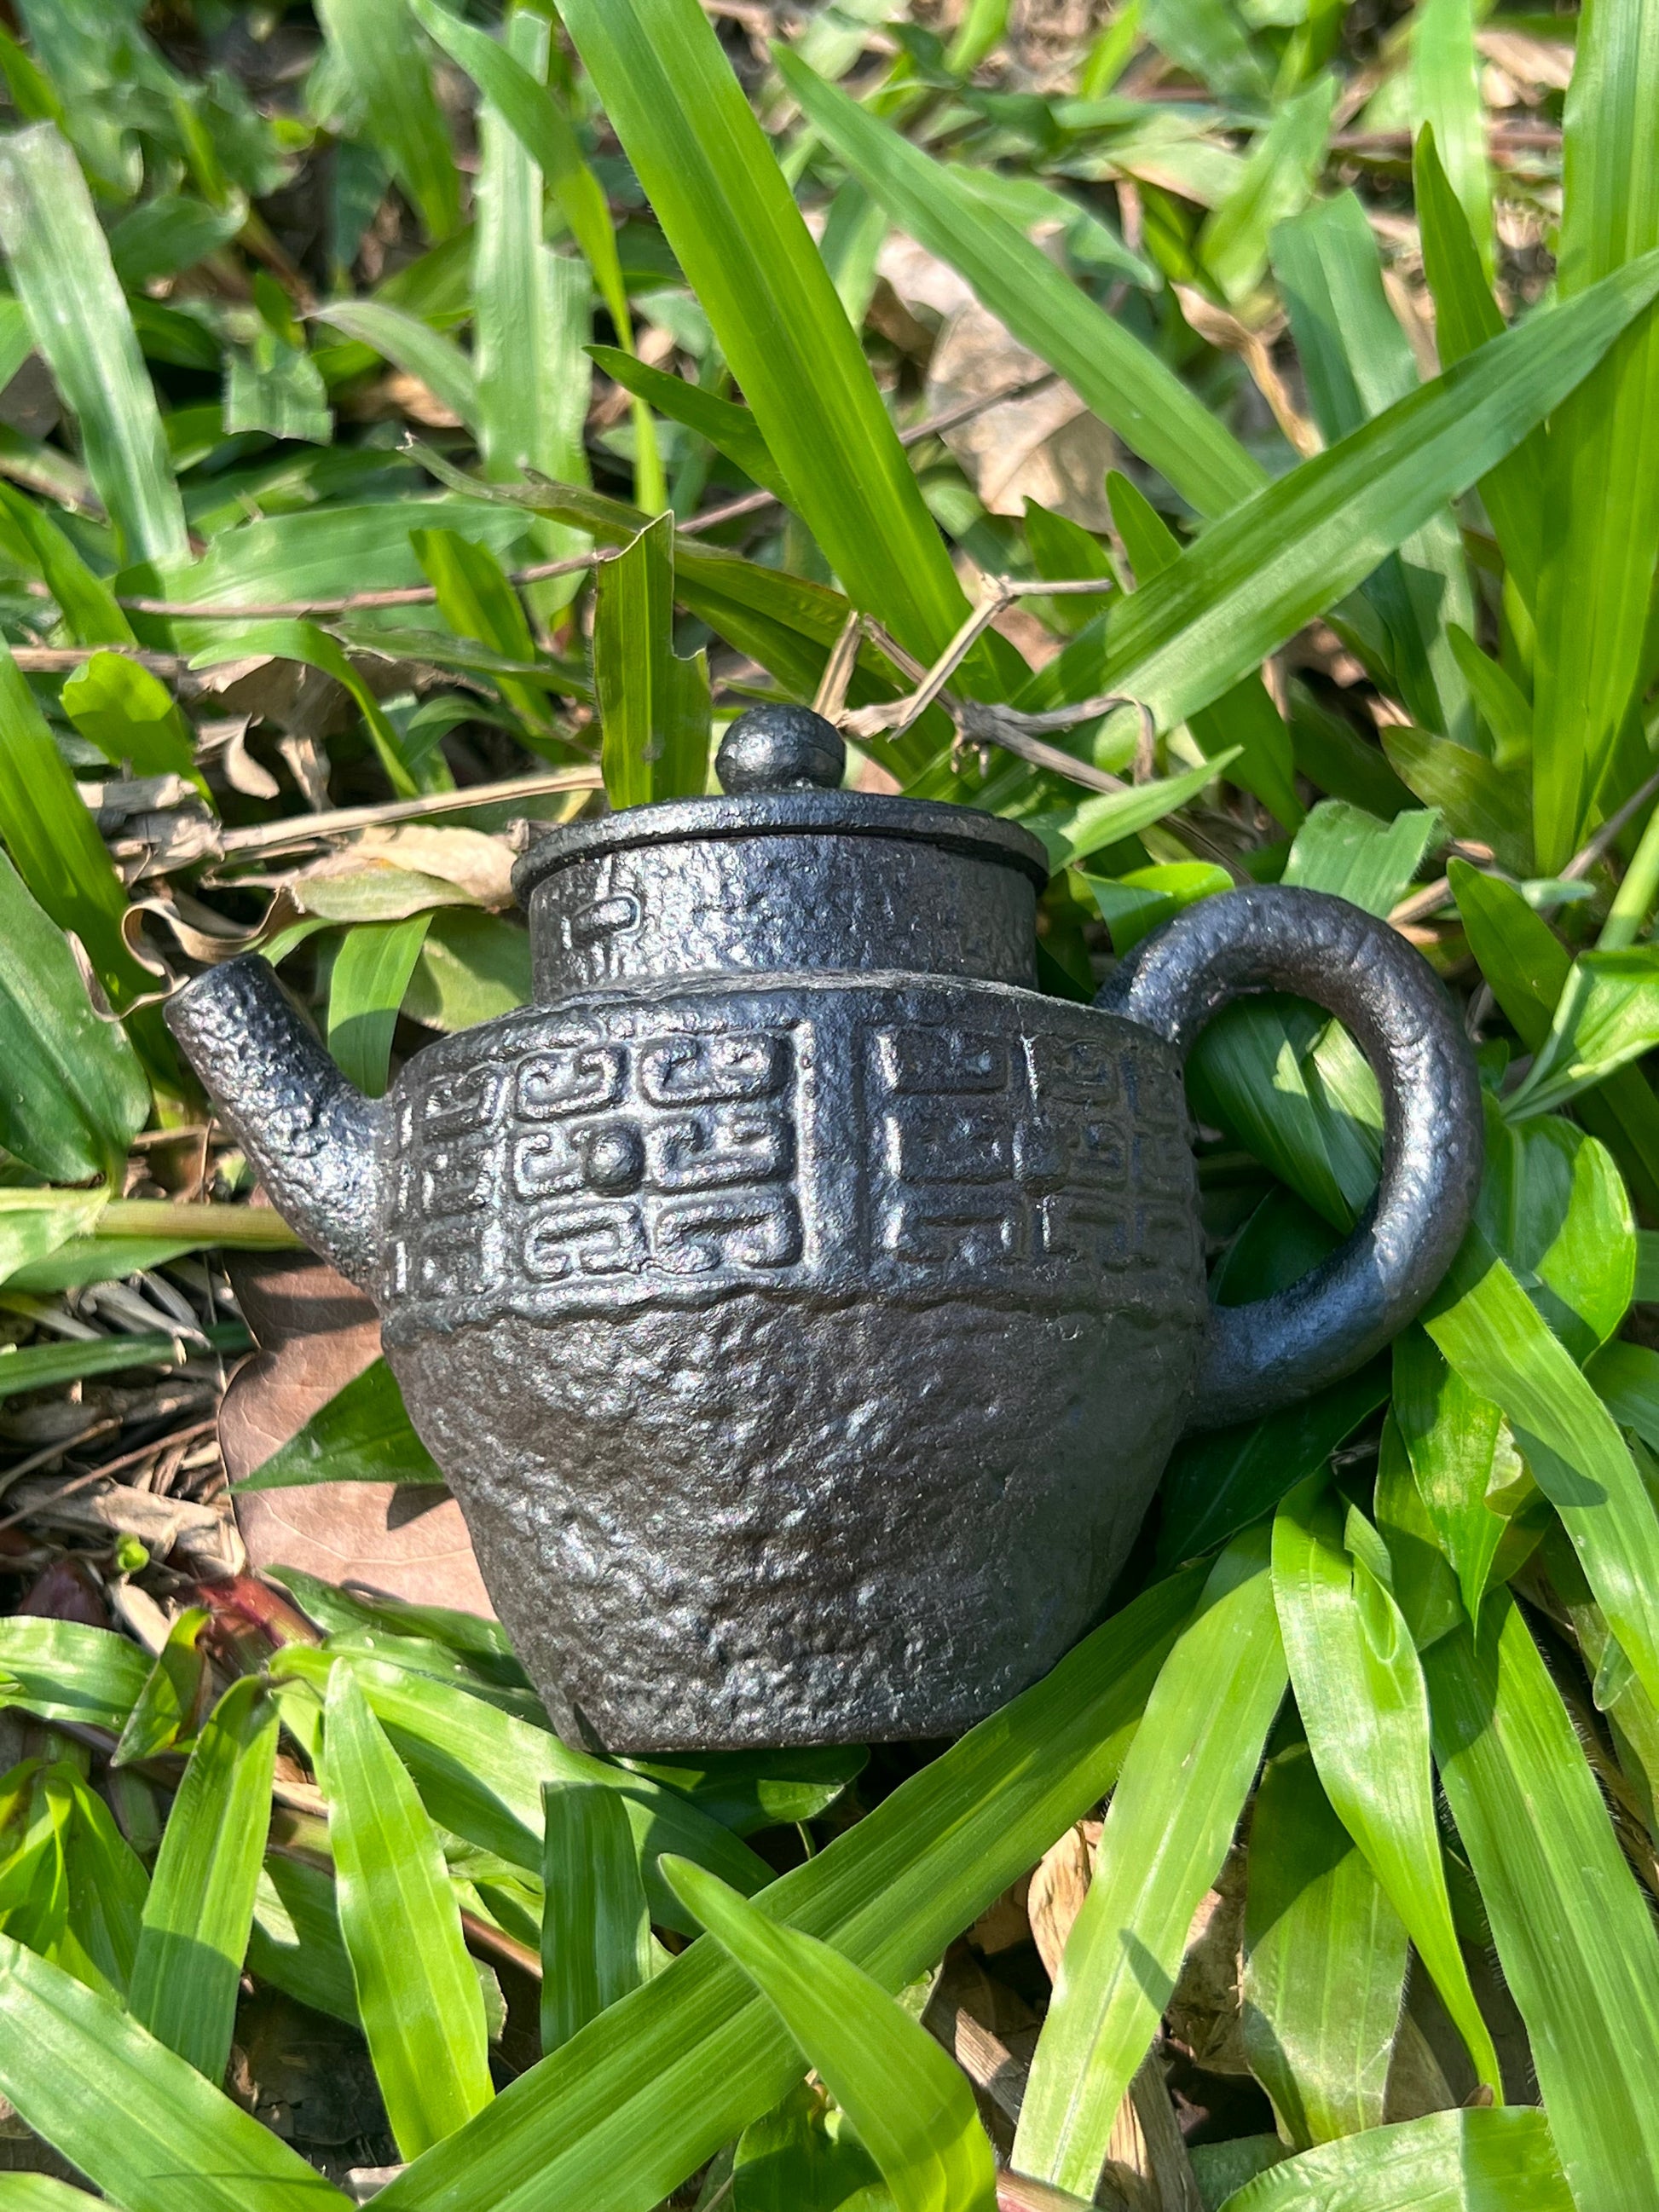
(38, 2192)
(480, 1772)
(72, 1094)
(421, 2008)
(1244, 718)
(1527, 966)
(1452, 1436)
(1256, 575)
(1122, 380)
(652, 705)
(170, 1703)
(61, 1670)
(1494, 1336)
(596, 1928)
(1601, 486)
(1446, 100)
(1574, 1939)
(1172, 1817)
(295, 1942)
(639, 2100)
(1324, 1961)
(531, 318)
(413, 346)
(731, 428)
(361, 1434)
(912, 2106)
(1466, 316)
(201, 1896)
(1360, 1692)
(138, 2121)
(60, 265)
(365, 988)
(728, 214)
(1479, 2162)
(381, 52)
(1358, 361)
(1277, 179)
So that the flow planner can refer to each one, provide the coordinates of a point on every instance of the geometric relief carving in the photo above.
(1004, 1153)
(673, 1155)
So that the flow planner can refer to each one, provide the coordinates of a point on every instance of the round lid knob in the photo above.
(776, 748)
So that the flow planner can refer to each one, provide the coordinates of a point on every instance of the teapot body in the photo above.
(802, 1307)
(804, 1349)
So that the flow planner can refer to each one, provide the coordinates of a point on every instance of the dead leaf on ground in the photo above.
(316, 1332)
(1044, 446)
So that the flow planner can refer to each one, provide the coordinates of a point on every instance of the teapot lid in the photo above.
(780, 769)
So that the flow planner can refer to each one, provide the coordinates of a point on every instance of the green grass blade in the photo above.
(1528, 966)
(1244, 717)
(531, 316)
(59, 1670)
(1070, 834)
(421, 2007)
(295, 1942)
(61, 267)
(136, 2119)
(1466, 316)
(380, 53)
(366, 987)
(1359, 1688)
(1276, 182)
(1358, 362)
(201, 1898)
(1576, 1945)
(1479, 800)
(480, 1772)
(46, 1366)
(503, 74)
(1121, 380)
(38, 2192)
(1171, 1820)
(361, 1434)
(172, 1698)
(413, 346)
(629, 2107)
(596, 1927)
(1601, 493)
(731, 428)
(1480, 2161)
(1324, 1961)
(1342, 849)
(1452, 1438)
(1446, 98)
(1255, 576)
(1217, 1483)
(107, 1885)
(653, 706)
(131, 717)
(1494, 1336)
(727, 212)
(72, 1094)
(912, 2106)
(53, 841)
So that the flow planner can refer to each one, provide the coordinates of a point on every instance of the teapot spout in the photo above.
(309, 1134)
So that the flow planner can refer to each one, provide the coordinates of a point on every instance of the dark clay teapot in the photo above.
(803, 1307)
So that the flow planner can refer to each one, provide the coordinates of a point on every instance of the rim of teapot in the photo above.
(781, 768)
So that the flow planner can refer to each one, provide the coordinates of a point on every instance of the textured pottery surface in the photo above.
(802, 1307)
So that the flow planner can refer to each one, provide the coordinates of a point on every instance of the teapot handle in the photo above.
(1272, 938)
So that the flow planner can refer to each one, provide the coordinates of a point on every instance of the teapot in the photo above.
(801, 1306)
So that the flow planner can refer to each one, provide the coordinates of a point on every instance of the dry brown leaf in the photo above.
(1059, 1886)
(1044, 446)
(316, 1332)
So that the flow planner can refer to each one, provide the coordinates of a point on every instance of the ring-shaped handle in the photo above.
(1272, 938)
